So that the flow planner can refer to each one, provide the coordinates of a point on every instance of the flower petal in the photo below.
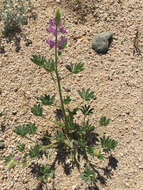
(51, 22)
(51, 43)
(62, 30)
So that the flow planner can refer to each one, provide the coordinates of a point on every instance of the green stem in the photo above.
(58, 81)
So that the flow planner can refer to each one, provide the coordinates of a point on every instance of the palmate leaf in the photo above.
(104, 121)
(67, 100)
(86, 126)
(107, 143)
(38, 60)
(92, 151)
(37, 110)
(88, 175)
(23, 130)
(35, 151)
(76, 68)
(86, 110)
(49, 65)
(21, 147)
(47, 100)
(43, 172)
(86, 95)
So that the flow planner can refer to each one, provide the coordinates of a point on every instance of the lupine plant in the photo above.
(72, 138)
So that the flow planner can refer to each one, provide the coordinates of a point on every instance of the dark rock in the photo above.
(17, 49)
(28, 42)
(2, 144)
(101, 42)
(2, 50)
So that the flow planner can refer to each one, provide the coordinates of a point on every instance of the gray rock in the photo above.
(101, 42)
(2, 144)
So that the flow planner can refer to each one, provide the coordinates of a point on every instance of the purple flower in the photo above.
(17, 158)
(50, 29)
(51, 22)
(63, 39)
(51, 43)
(55, 32)
(62, 30)
(61, 42)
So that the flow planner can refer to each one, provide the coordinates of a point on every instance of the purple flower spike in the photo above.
(17, 158)
(62, 30)
(51, 43)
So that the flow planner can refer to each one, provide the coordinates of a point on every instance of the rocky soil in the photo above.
(116, 78)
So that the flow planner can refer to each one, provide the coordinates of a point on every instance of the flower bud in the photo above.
(57, 17)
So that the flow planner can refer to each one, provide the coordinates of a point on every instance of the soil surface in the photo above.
(116, 78)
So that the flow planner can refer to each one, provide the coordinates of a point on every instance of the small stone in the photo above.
(58, 1)
(49, 180)
(2, 50)
(75, 187)
(101, 42)
(14, 112)
(17, 49)
(2, 144)
(28, 42)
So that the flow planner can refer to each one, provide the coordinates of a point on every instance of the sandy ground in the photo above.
(116, 78)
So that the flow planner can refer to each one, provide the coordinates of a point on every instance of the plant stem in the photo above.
(58, 81)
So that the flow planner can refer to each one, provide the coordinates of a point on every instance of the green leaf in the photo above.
(38, 60)
(86, 95)
(43, 172)
(107, 143)
(9, 158)
(49, 65)
(67, 100)
(100, 156)
(59, 137)
(76, 68)
(31, 128)
(88, 175)
(24, 160)
(23, 130)
(47, 100)
(37, 110)
(21, 147)
(104, 121)
(64, 45)
(86, 126)
(59, 53)
(35, 151)
(10, 162)
(86, 110)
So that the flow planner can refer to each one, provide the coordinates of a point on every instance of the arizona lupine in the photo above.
(56, 29)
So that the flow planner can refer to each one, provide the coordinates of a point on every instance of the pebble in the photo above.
(101, 42)
(2, 50)
(75, 187)
(2, 145)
